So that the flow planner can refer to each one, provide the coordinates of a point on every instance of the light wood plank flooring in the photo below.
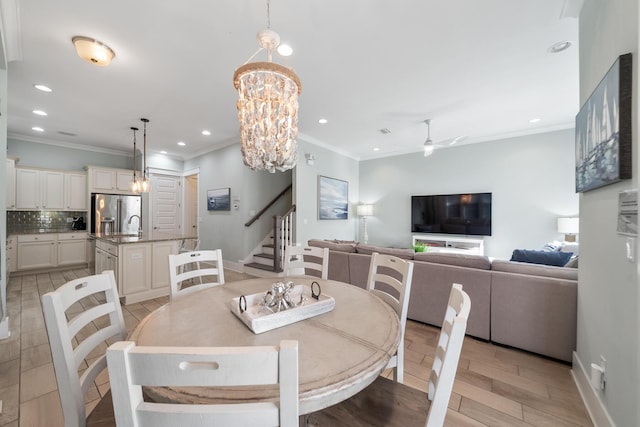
(495, 386)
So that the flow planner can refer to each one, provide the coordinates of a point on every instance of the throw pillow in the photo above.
(573, 262)
(557, 259)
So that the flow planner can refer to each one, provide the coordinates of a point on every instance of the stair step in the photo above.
(260, 266)
(263, 255)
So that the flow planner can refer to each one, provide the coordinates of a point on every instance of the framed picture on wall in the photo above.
(219, 199)
(603, 130)
(333, 198)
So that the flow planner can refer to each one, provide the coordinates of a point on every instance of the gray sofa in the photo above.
(528, 306)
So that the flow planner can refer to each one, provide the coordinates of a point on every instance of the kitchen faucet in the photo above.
(139, 223)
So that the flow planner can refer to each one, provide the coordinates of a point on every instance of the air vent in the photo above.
(67, 133)
(385, 131)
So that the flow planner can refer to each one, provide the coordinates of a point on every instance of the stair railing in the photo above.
(282, 237)
(263, 210)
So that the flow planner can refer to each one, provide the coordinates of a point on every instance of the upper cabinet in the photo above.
(75, 191)
(110, 180)
(44, 189)
(11, 184)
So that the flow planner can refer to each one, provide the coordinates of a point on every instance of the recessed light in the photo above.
(182, 144)
(376, 149)
(559, 47)
(206, 132)
(40, 112)
(323, 121)
(535, 120)
(285, 50)
(43, 88)
(37, 129)
(163, 152)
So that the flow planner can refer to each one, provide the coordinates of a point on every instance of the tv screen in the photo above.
(464, 214)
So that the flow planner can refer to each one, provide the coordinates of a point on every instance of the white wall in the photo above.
(254, 189)
(608, 297)
(331, 164)
(531, 178)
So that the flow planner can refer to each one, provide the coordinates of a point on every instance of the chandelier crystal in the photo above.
(267, 109)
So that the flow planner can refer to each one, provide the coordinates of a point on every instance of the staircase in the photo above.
(264, 259)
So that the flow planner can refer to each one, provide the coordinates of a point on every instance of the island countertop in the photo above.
(146, 237)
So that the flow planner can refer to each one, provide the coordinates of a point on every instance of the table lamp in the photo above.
(364, 211)
(569, 227)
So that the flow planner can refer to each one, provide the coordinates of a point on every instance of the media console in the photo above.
(451, 244)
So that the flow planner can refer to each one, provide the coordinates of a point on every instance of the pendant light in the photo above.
(145, 184)
(428, 144)
(267, 108)
(135, 184)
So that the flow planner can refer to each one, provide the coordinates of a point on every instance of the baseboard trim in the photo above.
(596, 409)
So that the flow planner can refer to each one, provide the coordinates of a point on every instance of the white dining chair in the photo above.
(391, 404)
(131, 367)
(390, 279)
(189, 266)
(78, 344)
(306, 260)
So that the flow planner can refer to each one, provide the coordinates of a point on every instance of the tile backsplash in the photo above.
(41, 221)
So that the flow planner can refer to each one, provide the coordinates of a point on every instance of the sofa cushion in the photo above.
(333, 246)
(573, 262)
(535, 269)
(461, 260)
(365, 249)
(558, 259)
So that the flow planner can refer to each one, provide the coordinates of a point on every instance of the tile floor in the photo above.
(495, 386)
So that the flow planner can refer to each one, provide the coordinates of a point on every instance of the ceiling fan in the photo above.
(430, 146)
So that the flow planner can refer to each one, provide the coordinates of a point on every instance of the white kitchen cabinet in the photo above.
(75, 191)
(110, 180)
(106, 258)
(36, 251)
(134, 263)
(11, 184)
(160, 253)
(12, 254)
(72, 248)
(39, 189)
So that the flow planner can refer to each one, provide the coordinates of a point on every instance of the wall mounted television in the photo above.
(463, 214)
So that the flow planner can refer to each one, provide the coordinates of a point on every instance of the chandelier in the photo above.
(267, 108)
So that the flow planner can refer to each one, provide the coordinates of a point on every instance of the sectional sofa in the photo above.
(528, 306)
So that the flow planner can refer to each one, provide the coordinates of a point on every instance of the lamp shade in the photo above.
(365, 210)
(568, 225)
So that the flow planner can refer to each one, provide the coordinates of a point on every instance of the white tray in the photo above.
(259, 320)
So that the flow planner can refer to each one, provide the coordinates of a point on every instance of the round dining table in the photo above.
(340, 352)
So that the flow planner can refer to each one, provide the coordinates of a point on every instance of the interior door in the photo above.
(191, 205)
(166, 196)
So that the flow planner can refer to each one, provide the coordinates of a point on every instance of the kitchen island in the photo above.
(139, 262)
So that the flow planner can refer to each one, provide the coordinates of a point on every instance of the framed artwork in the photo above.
(603, 130)
(333, 198)
(219, 199)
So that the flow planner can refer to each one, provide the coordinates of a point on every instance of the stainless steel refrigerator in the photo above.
(115, 214)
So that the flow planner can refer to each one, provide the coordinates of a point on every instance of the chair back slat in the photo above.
(105, 317)
(306, 260)
(445, 362)
(390, 279)
(189, 266)
(132, 367)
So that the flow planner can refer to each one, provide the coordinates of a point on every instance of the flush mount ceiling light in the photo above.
(428, 144)
(93, 51)
(267, 108)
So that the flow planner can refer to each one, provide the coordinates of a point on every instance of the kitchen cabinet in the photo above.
(72, 248)
(141, 270)
(36, 251)
(11, 184)
(12, 254)
(75, 191)
(110, 180)
(50, 190)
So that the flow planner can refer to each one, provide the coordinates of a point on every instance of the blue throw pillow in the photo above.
(557, 259)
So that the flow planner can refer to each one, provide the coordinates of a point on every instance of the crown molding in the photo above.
(18, 137)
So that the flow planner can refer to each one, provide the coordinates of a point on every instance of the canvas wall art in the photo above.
(603, 130)
(333, 198)
(219, 199)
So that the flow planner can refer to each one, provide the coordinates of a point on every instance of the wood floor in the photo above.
(495, 386)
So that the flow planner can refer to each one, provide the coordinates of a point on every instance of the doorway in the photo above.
(191, 204)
